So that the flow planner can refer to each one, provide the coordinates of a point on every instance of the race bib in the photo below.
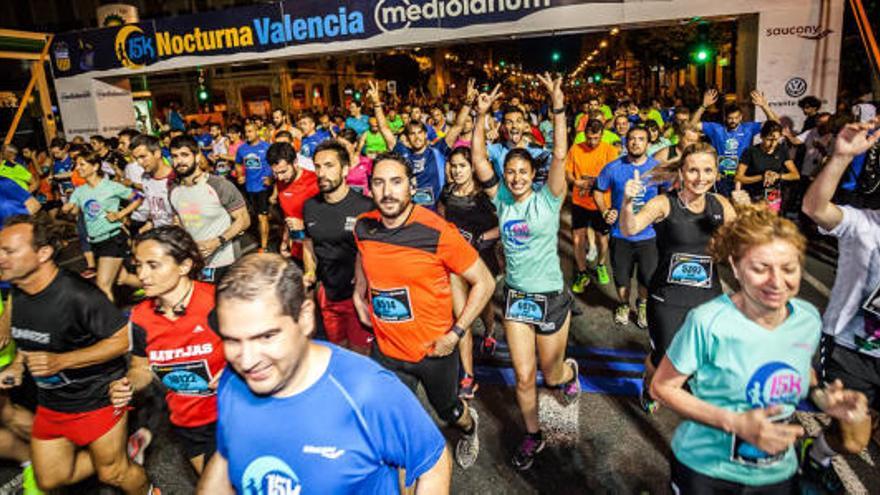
(742, 452)
(190, 378)
(727, 165)
(773, 196)
(208, 274)
(690, 270)
(424, 196)
(392, 305)
(525, 308)
(50, 382)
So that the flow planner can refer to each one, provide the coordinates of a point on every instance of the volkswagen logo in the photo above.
(796, 87)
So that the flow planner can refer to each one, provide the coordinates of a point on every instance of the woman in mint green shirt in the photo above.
(747, 359)
(100, 199)
(537, 309)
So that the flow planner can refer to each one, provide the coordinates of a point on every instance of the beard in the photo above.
(328, 186)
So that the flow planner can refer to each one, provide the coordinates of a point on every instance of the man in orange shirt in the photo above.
(402, 291)
(582, 166)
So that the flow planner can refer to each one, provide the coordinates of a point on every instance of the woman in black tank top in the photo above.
(670, 155)
(684, 219)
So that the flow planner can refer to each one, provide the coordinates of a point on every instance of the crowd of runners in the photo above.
(384, 229)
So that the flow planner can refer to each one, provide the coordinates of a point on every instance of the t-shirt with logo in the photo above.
(155, 192)
(256, 167)
(291, 198)
(407, 270)
(530, 234)
(96, 202)
(586, 163)
(68, 315)
(17, 172)
(12, 199)
(65, 186)
(309, 143)
(730, 144)
(541, 156)
(758, 162)
(738, 365)
(358, 175)
(374, 143)
(205, 211)
(135, 174)
(429, 169)
(349, 432)
(360, 124)
(330, 226)
(184, 354)
(614, 178)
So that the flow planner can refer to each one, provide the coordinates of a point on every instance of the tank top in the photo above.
(686, 275)
(672, 153)
(473, 214)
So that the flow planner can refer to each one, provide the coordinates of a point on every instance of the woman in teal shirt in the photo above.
(537, 310)
(747, 359)
(100, 199)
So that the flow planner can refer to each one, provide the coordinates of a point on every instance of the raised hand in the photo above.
(710, 97)
(373, 92)
(854, 140)
(472, 93)
(758, 98)
(485, 101)
(633, 187)
(554, 87)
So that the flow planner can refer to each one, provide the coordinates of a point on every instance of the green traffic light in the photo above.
(357, 95)
(502, 63)
(702, 55)
(556, 56)
(203, 95)
(597, 77)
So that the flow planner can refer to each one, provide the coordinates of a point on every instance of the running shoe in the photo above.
(532, 444)
(467, 387)
(592, 253)
(138, 443)
(88, 273)
(649, 405)
(29, 481)
(642, 320)
(581, 281)
(489, 346)
(571, 390)
(468, 447)
(824, 477)
(602, 274)
(621, 315)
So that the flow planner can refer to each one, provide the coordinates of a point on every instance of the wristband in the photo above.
(491, 182)
(557, 111)
(221, 239)
(457, 330)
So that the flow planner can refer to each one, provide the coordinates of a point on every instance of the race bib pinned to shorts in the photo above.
(189, 378)
(424, 196)
(392, 305)
(742, 452)
(525, 308)
(691, 270)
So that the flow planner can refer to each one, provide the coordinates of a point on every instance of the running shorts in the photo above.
(546, 312)
(80, 428)
(625, 254)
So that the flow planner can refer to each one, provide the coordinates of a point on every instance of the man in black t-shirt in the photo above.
(763, 167)
(73, 341)
(330, 251)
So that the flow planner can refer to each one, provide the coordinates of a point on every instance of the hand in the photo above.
(294, 223)
(847, 406)
(444, 345)
(758, 98)
(710, 98)
(485, 101)
(740, 197)
(267, 181)
(10, 377)
(770, 178)
(756, 428)
(554, 87)
(494, 130)
(241, 179)
(44, 363)
(309, 280)
(633, 187)
(113, 216)
(208, 247)
(472, 93)
(5, 337)
(373, 93)
(121, 392)
(853, 139)
(610, 216)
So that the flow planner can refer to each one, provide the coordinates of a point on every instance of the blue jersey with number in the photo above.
(256, 167)
(730, 144)
(349, 432)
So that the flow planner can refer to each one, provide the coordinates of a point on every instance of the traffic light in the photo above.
(357, 96)
(203, 95)
(702, 53)
(502, 63)
(556, 56)
(597, 77)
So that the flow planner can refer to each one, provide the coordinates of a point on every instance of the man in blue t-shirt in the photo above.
(298, 416)
(256, 175)
(641, 248)
(15, 201)
(62, 168)
(516, 129)
(428, 161)
(732, 138)
(356, 120)
(312, 135)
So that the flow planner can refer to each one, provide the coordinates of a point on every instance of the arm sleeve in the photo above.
(138, 340)
(854, 223)
(404, 434)
(230, 197)
(238, 155)
(688, 351)
(457, 254)
(603, 182)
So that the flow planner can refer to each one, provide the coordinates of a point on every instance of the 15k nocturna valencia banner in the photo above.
(274, 26)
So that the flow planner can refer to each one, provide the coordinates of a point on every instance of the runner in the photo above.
(361, 166)
(747, 361)
(330, 251)
(312, 136)
(687, 135)
(99, 201)
(516, 134)
(763, 167)
(73, 341)
(173, 341)
(684, 221)
(583, 163)
(537, 310)
(256, 176)
(157, 180)
(465, 204)
(851, 324)
(732, 138)
(629, 250)
(356, 425)
(210, 208)
(11, 169)
(295, 186)
(407, 253)
(356, 121)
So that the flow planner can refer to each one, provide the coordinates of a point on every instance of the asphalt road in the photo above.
(603, 444)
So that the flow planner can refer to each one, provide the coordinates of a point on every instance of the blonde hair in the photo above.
(754, 225)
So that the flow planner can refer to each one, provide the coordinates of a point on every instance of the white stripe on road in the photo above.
(817, 284)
